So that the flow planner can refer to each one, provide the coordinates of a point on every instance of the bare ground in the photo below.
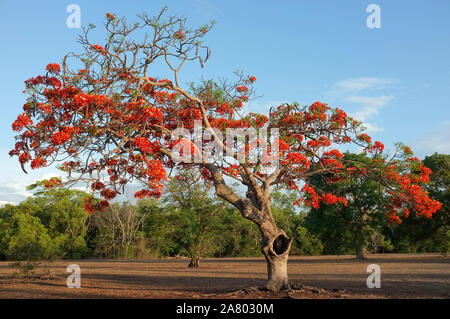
(402, 276)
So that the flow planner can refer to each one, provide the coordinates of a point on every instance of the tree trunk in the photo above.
(359, 253)
(276, 251)
(195, 262)
(256, 207)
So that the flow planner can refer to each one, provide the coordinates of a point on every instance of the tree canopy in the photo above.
(109, 121)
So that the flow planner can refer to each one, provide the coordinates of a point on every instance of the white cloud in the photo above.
(362, 83)
(437, 141)
(13, 190)
(369, 108)
(360, 92)
(5, 202)
(13, 193)
(50, 175)
(370, 128)
(17, 187)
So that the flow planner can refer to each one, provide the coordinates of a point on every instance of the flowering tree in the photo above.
(108, 120)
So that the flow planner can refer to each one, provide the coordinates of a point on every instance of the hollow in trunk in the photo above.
(276, 251)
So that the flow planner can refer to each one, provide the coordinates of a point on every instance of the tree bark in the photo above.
(256, 207)
(195, 262)
(359, 253)
(276, 247)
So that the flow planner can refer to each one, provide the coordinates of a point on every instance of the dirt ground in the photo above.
(402, 276)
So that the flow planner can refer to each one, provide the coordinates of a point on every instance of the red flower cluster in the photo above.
(92, 205)
(320, 142)
(64, 135)
(411, 193)
(330, 199)
(407, 150)
(333, 153)
(298, 160)
(53, 68)
(378, 147)
(143, 144)
(179, 35)
(22, 120)
(242, 89)
(52, 182)
(24, 157)
(365, 138)
(283, 146)
(313, 199)
(231, 170)
(108, 194)
(97, 185)
(146, 193)
(339, 117)
(60, 138)
(98, 48)
(393, 219)
(38, 162)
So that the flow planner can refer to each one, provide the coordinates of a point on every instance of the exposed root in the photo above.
(295, 291)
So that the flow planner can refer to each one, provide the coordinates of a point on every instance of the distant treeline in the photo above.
(189, 221)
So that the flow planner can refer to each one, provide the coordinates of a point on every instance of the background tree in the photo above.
(293, 219)
(56, 227)
(118, 231)
(419, 234)
(169, 230)
(189, 197)
(109, 122)
(61, 212)
(352, 225)
(25, 240)
(159, 228)
(238, 237)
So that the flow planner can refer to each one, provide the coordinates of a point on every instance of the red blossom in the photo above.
(38, 162)
(115, 124)
(52, 182)
(22, 120)
(53, 68)
(365, 138)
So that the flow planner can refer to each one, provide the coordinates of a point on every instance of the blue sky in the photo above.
(395, 78)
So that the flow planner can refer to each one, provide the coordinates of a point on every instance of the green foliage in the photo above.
(158, 228)
(189, 221)
(292, 221)
(346, 229)
(305, 243)
(418, 234)
(239, 237)
(194, 212)
(61, 211)
(30, 240)
(49, 225)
